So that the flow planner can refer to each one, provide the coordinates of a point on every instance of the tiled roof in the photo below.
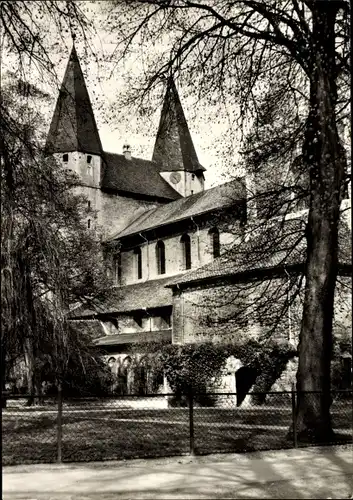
(174, 149)
(135, 176)
(73, 127)
(135, 338)
(206, 201)
(270, 248)
(147, 295)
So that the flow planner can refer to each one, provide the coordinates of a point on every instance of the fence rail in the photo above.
(108, 428)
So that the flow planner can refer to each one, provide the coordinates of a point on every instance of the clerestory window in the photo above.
(214, 242)
(160, 257)
(186, 251)
(138, 262)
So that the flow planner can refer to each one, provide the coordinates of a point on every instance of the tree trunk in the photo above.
(3, 371)
(322, 153)
(29, 362)
(8, 302)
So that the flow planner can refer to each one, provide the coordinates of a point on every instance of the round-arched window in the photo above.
(214, 242)
(186, 250)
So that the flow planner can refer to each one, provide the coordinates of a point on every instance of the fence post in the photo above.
(294, 416)
(191, 422)
(59, 424)
(4, 395)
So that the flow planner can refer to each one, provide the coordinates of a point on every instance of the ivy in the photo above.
(194, 366)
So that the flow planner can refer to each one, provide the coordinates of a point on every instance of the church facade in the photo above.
(168, 239)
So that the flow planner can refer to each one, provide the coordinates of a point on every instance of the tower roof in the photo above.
(174, 149)
(73, 127)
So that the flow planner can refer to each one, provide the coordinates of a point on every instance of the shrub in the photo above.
(270, 366)
(341, 364)
(195, 366)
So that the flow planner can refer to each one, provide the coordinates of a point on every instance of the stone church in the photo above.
(169, 239)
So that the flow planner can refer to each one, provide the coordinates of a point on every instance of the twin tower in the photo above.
(73, 138)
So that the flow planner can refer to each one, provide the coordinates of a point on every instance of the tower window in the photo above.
(89, 223)
(88, 205)
(89, 159)
(160, 257)
(215, 243)
(65, 158)
(186, 249)
(193, 177)
(138, 262)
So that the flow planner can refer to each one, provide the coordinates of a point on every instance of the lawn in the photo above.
(102, 432)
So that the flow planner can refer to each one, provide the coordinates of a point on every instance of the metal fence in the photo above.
(111, 428)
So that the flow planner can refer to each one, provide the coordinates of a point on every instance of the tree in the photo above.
(28, 25)
(235, 51)
(50, 261)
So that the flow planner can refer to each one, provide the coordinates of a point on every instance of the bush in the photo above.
(92, 379)
(341, 364)
(97, 380)
(270, 366)
(195, 366)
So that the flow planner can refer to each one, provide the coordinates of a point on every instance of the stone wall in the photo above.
(224, 313)
(86, 166)
(108, 212)
(288, 377)
(201, 254)
(214, 312)
(195, 309)
(226, 383)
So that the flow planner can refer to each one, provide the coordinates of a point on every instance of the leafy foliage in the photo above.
(233, 53)
(49, 259)
(192, 366)
(197, 366)
(341, 365)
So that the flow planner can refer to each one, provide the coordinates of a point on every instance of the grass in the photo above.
(100, 432)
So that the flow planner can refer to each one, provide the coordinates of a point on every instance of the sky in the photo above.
(117, 124)
(217, 145)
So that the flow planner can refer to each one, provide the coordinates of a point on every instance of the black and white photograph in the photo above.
(176, 249)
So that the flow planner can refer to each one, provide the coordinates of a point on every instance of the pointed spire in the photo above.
(73, 127)
(174, 149)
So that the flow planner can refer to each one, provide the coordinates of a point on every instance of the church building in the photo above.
(168, 239)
